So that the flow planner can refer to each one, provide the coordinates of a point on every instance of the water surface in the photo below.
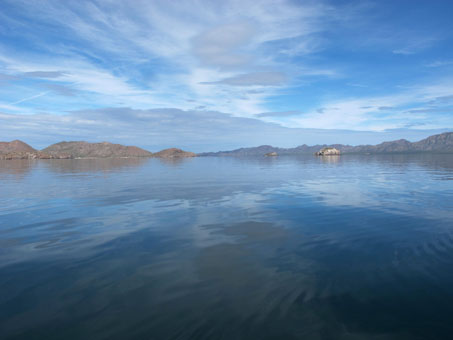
(350, 247)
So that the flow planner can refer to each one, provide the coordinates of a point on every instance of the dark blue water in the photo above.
(356, 247)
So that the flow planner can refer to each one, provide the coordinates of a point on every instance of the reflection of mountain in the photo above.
(330, 159)
(174, 161)
(442, 143)
(430, 161)
(93, 164)
(17, 167)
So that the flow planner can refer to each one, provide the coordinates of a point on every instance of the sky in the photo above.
(218, 75)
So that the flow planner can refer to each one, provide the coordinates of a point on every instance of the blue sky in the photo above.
(209, 75)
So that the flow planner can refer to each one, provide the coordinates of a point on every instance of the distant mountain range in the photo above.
(441, 143)
(66, 150)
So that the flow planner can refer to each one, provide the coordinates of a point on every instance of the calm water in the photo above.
(357, 247)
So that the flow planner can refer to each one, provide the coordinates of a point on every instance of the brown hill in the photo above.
(173, 153)
(20, 150)
(437, 143)
(15, 146)
(95, 150)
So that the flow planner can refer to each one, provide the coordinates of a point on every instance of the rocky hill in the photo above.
(173, 153)
(95, 150)
(15, 146)
(437, 143)
(442, 143)
(20, 150)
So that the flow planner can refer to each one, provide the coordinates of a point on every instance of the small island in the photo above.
(328, 152)
(271, 154)
(173, 153)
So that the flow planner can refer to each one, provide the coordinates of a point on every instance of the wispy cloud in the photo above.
(415, 45)
(440, 63)
(253, 79)
(61, 89)
(279, 114)
(44, 74)
(29, 98)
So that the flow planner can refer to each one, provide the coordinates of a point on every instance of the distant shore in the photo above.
(440, 144)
